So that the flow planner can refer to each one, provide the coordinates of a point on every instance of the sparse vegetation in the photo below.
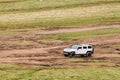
(35, 5)
(52, 73)
(59, 14)
(117, 45)
(18, 16)
(83, 34)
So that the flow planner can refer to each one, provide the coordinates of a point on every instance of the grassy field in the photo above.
(118, 45)
(31, 15)
(35, 5)
(15, 72)
(54, 14)
(82, 34)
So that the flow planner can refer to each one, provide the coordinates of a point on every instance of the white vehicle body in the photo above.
(82, 49)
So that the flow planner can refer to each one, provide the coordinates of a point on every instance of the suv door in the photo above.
(84, 49)
(79, 50)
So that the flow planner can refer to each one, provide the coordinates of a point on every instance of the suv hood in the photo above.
(68, 49)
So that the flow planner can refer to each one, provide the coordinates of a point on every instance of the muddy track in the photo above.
(105, 52)
(51, 53)
(75, 29)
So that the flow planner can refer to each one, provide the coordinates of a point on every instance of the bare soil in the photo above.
(30, 50)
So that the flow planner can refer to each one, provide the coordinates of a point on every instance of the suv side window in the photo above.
(79, 48)
(84, 47)
(89, 47)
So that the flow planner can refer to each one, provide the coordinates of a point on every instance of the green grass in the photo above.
(52, 73)
(8, 66)
(117, 45)
(82, 34)
(7, 32)
(15, 31)
(79, 74)
(10, 1)
(52, 22)
(58, 14)
(35, 5)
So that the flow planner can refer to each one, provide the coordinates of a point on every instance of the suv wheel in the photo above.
(88, 54)
(72, 54)
(66, 55)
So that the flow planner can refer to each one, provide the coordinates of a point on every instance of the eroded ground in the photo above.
(31, 50)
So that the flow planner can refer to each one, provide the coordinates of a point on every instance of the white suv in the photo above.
(82, 49)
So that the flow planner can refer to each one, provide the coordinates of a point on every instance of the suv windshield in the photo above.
(74, 47)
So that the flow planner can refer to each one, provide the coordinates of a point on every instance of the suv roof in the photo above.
(83, 44)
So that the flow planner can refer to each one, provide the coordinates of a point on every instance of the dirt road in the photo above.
(107, 53)
(75, 29)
